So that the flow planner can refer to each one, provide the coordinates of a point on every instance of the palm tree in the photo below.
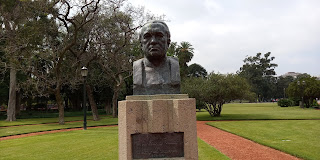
(172, 49)
(185, 54)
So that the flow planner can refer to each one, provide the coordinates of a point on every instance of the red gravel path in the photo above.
(236, 147)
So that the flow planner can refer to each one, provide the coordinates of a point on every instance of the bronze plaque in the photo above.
(157, 145)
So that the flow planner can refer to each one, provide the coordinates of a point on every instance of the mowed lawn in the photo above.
(293, 130)
(300, 138)
(15, 130)
(260, 111)
(99, 143)
(45, 120)
(96, 143)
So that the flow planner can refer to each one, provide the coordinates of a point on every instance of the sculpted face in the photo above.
(154, 41)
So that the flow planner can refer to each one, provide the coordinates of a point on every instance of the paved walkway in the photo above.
(236, 147)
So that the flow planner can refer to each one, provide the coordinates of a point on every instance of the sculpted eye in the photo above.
(147, 35)
(159, 35)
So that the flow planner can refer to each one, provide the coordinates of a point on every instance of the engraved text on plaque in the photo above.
(157, 145)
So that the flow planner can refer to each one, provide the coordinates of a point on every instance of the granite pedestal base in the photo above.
(158, 127)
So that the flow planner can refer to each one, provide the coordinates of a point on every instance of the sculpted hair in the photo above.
(156, 22)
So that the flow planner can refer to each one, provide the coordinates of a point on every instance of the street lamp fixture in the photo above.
(84, 74)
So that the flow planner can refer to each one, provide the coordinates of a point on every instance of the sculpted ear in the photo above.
(169, 41)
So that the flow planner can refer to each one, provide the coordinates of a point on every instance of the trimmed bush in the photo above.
(315, 104)
(285, 102)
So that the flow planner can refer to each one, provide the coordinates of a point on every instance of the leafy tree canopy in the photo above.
(196, 70)
(259, 71)
(281, 85)
(217, 89)
(184, 51)
(306, 88)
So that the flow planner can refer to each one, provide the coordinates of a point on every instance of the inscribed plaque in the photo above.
(157, 145)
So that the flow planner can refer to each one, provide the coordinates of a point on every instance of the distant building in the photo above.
(295, 74)
(292, 74)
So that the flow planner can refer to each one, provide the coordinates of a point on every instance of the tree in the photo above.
(305, 88)
(92, 102)
(196, 70)
(185, 54)
(217, 90)
(9, 23)
(282, 84)
(115, 34)
(172, 49)
(55, 65)
(20, 36)
(259, 71)
(4, 89)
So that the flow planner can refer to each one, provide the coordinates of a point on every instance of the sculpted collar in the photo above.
(147, 63)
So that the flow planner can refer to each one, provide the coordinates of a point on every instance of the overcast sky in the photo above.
(224, 32)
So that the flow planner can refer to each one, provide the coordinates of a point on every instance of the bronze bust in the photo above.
(156, 73)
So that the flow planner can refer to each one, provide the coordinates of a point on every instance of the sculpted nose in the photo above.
(153, 40)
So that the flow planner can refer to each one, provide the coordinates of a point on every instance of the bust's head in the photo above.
(155, 39)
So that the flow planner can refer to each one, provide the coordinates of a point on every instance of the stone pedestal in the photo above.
(158, 127)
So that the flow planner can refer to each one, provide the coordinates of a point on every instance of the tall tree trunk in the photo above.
(18, 103)
(11, 116)
(115, 101)
(108, 106)
(29, 104)
(92, 104)
(66, 102)
(75, 101)
(60, 105)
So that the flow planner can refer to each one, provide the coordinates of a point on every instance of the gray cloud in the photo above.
(223, 33)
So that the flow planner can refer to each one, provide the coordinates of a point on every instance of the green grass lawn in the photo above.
(260, 111)
(105, 120)
(207, 152)
(275, 126)
(48, 114)
(97, 143)
(297, 137)
(43, 120)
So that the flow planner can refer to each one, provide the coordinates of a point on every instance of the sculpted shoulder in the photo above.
(175, 70)
(137, 63)
(137, 71)
(173, 60)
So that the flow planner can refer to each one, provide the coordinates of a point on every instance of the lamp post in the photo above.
(84, 73)
(301, 86)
